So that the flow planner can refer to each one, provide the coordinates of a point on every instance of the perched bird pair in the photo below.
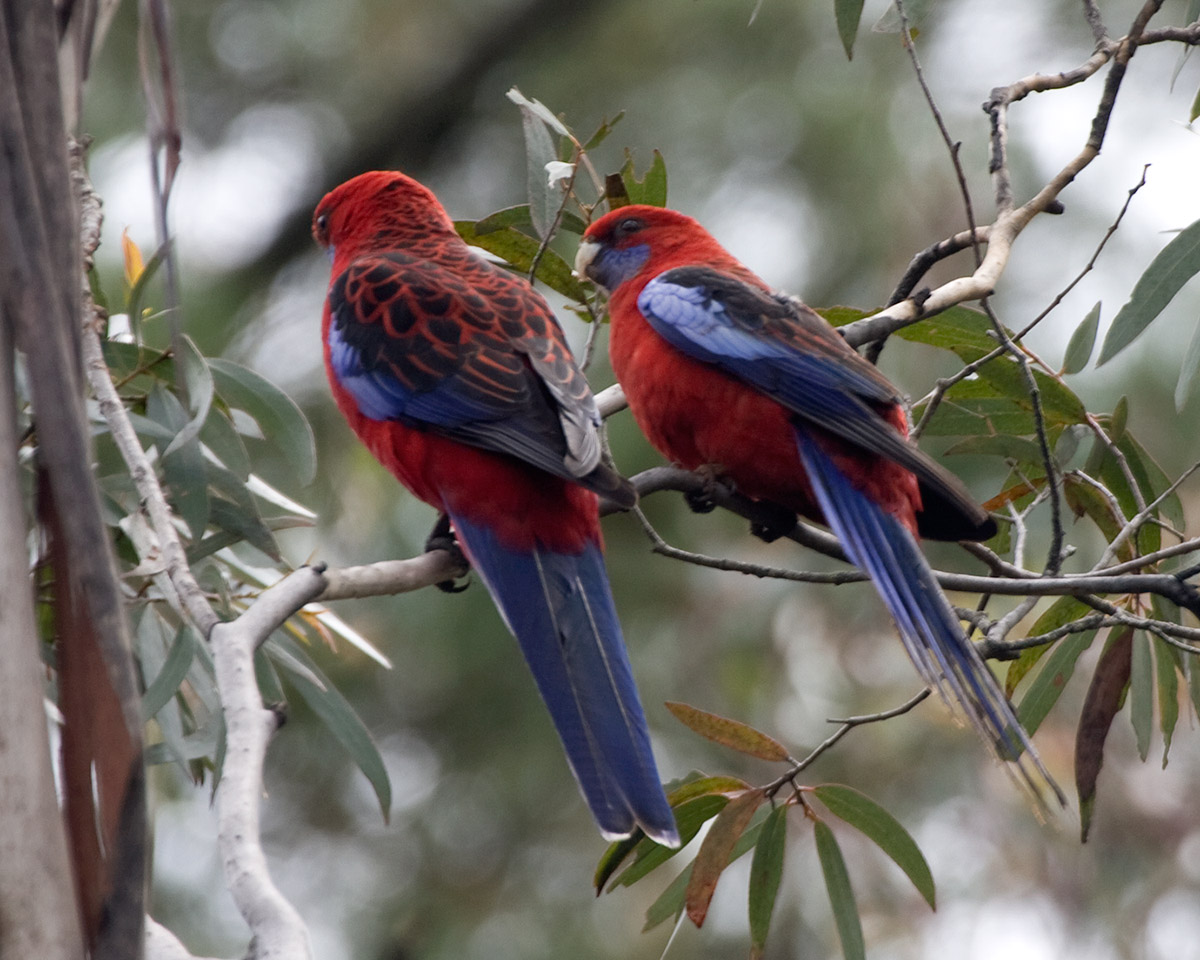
(457, 377)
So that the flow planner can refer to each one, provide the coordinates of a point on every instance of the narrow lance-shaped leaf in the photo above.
(766, 870)
(1141, 693)
(1174, 266)
(1058, 614)
(1052, 679)
(174, 671)
(1167, 669)
(841, 896)
(670, 902)
(1100, 707)
(276, 414)
(714, 853)
(730, 733)
(539, 151)
(1187, 372)
(865, 815)
(848, 14)
(652, 187)
(1079, 348)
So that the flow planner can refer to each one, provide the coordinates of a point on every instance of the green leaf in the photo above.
(766, 870)
(199, 389)
(1187, 372)
(715, 852)
(1052, 679)
(1168, 666)
(602, 132)
(1061, 612)
(841, 896)
(277, 416)
(518, 250)
(652, 187)
(337, 715)
(848, 14)
(519, 217)
(868, 817)
(171, 676)
(183, 471)
(729, 733)
(1079, 349)
(1020, 449)
(669, 904)
(1141, 693)
(544, 200)
(222, 438)
(1194, 112)
(1174, 266)
(1100, 708)
(689, 818)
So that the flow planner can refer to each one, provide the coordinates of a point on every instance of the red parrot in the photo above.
(757, 388)
(458, 379)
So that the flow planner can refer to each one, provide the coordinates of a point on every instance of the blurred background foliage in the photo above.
(825, 175)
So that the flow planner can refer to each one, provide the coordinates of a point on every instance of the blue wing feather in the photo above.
(561, 611)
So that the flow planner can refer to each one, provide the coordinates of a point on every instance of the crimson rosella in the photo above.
(759, 389)
(457, 377)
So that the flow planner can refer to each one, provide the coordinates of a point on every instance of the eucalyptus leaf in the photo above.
(1174, 266)
(841, 896)
(1083, 340)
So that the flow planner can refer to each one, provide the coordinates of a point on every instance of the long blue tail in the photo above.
(944, 656)
(561, 611)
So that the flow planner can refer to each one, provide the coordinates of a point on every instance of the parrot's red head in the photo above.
(639, 242)
(376, 210)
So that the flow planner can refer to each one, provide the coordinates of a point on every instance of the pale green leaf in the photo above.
(841, 896)
(1079, 349)
(1174, 266)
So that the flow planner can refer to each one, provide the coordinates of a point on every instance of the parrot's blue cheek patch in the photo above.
(613, 266)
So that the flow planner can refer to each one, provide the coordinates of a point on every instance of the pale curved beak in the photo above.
(588, 250)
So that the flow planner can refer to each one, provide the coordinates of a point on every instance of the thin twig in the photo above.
(846, 725)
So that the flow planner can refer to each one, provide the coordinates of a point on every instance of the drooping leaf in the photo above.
(1052, 679)
(183, 470)
(1079, 348)
(338, 717)
(199, 389)
(766, 870)
(171, 676)
(841, 896)
(221, 437)
(518, 249)
(1141, 693)
(848, 14)
(868, 817)
(670, 903)
(1100, 707)
(544, 200)
(1174, 266)
(1168, 667)
(281, 421)
(1061, 612)
(1187, 372)
(714, 853)
(729, 733)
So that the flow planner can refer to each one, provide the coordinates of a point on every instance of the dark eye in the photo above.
(629, 225)
(322, 223)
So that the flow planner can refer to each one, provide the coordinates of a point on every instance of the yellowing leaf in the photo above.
(134, 264)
